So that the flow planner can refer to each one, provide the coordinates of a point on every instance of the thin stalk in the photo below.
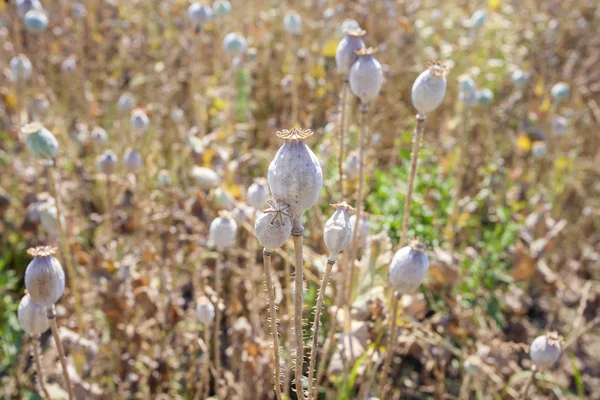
(414, 158)
(294, 94)
(530, 382)
(203, 386)
(465, 387)
(35, 350)
(330, 337)
(61, 351)
(290, 313)
(218, 315)
(299, 281)
(364, 108)
(390, 344)
(342, 135)
(273, 312)
(65, 248)
(109, 203)
(317, 322)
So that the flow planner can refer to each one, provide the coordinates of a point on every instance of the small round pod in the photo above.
(345, 54)
(545, 349)
(32, 316)
(36, 21)
(139, 121)
(258, 194)
(478, 19)
(295, 176)
(199, 14)
(337, 232)
(539, 149)
(99, 136)
(205, 311)
(559, 125)
(133, 160)
(364, 229)
(292, 23)
(126, 102)
(221, 8)
(39, 106)
(205, 177)
(366, 75)
(69, 65)
(164, 178)
(79, 11)
(24, 6)
(520, 78)
(274, 226)
(409, 267)
(21, 68)
(223, 231)
(177, 115)
(49, 219)
(560, 91)
(107, 162)
(429, 88)
(234, 44)
(484, 97)
(41, 143)
(467, 92)
(349, 25)
(353, 165)
(44, 276)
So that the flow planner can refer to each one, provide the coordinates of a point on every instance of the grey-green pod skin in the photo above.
(544, 354)
(408, 269)
(205, 311)
(338, 230)
(345, 54)
(32, 316)
(366, 78)
(45, 280)
(272, 233)
(41, 143)
(222, 233)
(428, 91)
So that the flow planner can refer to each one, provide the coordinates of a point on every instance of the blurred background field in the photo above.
(506, 198)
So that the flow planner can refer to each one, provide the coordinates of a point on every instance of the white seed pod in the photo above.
(222, 199)
(44, 276)
(274, 226)
(164, 178)
(353, 165)
(338, 229)
(49, 219)
(23, 6)
(205, 310)
(221, 8)
(69, 65)
(545, 349)
(366, 75)
(478, 19)
(126, 102)
(295, 175)
(560, 91)
(41, 143)
(99, 136)
(133, 160)
(39, 106)
(79, 11)
(177, 115)
(363, 229)
(139, 121)
(429, 88)
(199, 14)
(292, 23)
(345, 54)
(539, 149)
(519, 78)
(205, 177)
(32, 316)
(559, 126)
(234, 44)
(408, 268)
(223, 231)
(21, 68)
(467, 93)
(258, 194)
(349, 25)
(107, 162)
(36, 21)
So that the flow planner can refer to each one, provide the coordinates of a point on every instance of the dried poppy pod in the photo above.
(274, 226)
(295, 176)
(133, 160)
(36, 21)
(258, 194)
(338, 229)
(23, 6)
(345, 54)
(126, 102)
(205, 177)
(107, 162)
(545, 349)
(366, 75)
(222, 232)
(429, 88)
(292, 23)
(199, 14)
(409, 267)
(41, 143)
(139, 121)
(32, 316)
(205, 311)
(44, 276)
(221, 8)
(234, 44)
(21, 68)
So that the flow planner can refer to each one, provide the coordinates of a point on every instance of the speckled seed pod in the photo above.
(206, 178)
(21, 68)
(545, 350)
(467, 93)
(32, 316)
(366, 75)
(223, 231)
(44, 276)
(409, 267)
(36, 21)
(258, 194)
(292, 23)
(234, 44)
(41, 143)
(99, 136)
(295, 175)
(133, 160)
(107, 162)
(345, 54)
(139, 121)
(126, 102)
(560, 125)
(274, 226)
(23, 6)
(560, 91)
(221, 8)
(519, 78)
(338, 229)
(429, 88)
(199, 14)
(205, 310)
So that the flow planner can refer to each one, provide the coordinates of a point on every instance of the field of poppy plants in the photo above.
(318, 199)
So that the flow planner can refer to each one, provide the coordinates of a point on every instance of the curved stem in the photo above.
(317, 322)
(35, 350)
(329, 340)
(299, 281)
(203, 386)
(65, 248)
(390, 344)
(218, 315)
(414, 158)
(274, 320)
(342, 136)
(534, 372)
(61, 351)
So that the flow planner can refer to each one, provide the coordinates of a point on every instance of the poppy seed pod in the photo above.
(292, 23)
(36, 21)
(69, 65)
(363, 229)
(223, 231)
(258, 194)
(23, 6)
(205, 177)
(484, 97)
(560, 91)
(139, 121)
(221, 8)
(39, 106)
(366, 75)
(353, 165)
(467, 93)
(164, 178)
(49, 219)
(545, 349)
(519, 78)
(21, 68)
(205, 310)
(32, 316)
(295, 175)
(133, 160)
(559, 125)
(44, 276)
(338, 229)
(539, 149)
(345, 54)
(478, 19)
(274, 226)
(126, 102)
(41, 143)
(199, 14)
(409, 267)
(107, 162)
(429, 88)
(177, 115)
(99, 136)
(234, 44)
(349, 25)
(79, 11)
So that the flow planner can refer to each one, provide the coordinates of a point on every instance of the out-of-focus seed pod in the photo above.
(221, 8)
(429, 88)
(409, 267)
(258, 194)
(133, 160)
(39, 106)
(234, 44)
(164, 178)
(23, 6)
(222, 232)
(139, 121)
(36, 21)
(107, 162)
(69, 65)
(467, 93)
(520, 78)
(560, 91)
(49, 219)
(545, 350)
(177, 115)
(199, 14)
(206, 178)
(484, 97)
(337, 232)
(292, 23)
(539, 149)
(349, 25)
(345, 54)
(352, 165)
(560, 125)
(478, 19)
(21, 68)
(99, 136)
(274, 226)
(364, 228)
(32, 316)
(79, 11)
(205, 311)
(41, 143)
(44, 276)
(126, 102)
(366, 76)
